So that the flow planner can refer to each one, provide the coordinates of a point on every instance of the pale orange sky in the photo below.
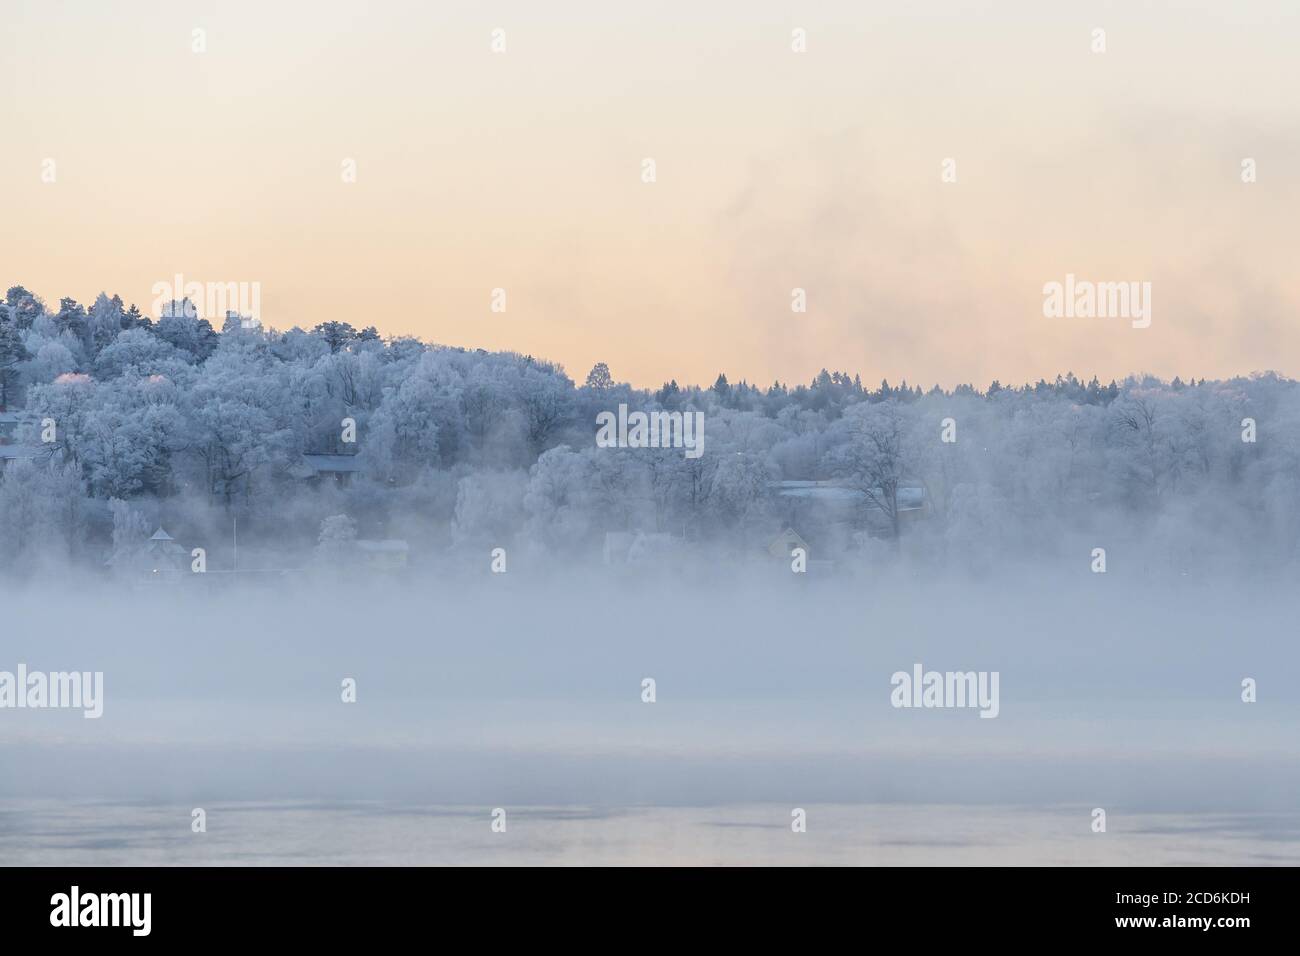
(820, 170)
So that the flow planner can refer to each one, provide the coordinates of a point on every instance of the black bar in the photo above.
(334, 905)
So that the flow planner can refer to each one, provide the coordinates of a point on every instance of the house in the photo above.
(827, 491)
(784, 544)
(11, 453)
(164, 554)
(816, 506)
(388, 554)
(336, 468)
(158, 557)
(9, 422)
(826, 505)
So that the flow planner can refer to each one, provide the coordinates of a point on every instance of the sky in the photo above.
(522, 170)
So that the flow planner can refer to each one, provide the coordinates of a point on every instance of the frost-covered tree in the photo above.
(130, 533)
(44, 514)
(51, 359)
(12, 353)
(489, 508)
(181, 327)
(132, 435)
(599, 378)
(137, 348)
(338, 535)
(58, 412)
(103, 323)
(874, 456)
(559, 516)
(335, 334)
(742, 489)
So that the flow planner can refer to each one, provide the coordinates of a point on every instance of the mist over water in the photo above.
(508, 690)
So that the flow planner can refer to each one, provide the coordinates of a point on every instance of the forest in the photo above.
(114, 423)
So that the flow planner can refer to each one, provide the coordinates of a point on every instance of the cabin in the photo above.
(830, 508)
(12, 453)
(783, 544)
(157, 558)
(320, 468)
(9, 422)
(9, 450)
(162, 553)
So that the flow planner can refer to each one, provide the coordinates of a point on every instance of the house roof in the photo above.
(910, 497)
(17, 452)
(820, 490)
(161, 535)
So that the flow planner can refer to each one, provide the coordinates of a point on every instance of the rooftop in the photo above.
(910, 497)
(28, 452)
